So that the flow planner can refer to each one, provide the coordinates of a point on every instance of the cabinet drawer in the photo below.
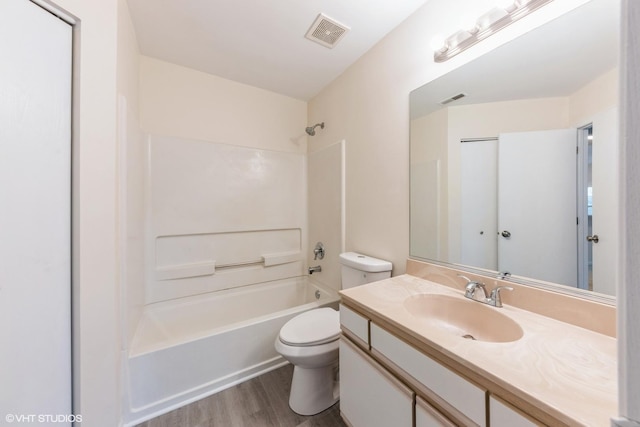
(501, 414)
(355, 323)
(428, 416)
(457, 392)
(369, 395)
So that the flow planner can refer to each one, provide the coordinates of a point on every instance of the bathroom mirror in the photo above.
(514, 158)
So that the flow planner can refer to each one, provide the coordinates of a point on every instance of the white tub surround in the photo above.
(222, 216)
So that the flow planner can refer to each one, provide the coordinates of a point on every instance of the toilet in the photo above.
(310, 340)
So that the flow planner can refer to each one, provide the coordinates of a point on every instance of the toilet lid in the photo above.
(313, 327)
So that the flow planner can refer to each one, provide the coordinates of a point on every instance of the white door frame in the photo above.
(581, 205)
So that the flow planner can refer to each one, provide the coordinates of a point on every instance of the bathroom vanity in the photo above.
(416, 352)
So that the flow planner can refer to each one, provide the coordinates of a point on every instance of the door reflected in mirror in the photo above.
(520, 175)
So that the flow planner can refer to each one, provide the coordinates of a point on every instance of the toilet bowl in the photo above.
(310, 341)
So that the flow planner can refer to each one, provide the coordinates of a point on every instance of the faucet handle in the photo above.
(494, 298)
(464, 277)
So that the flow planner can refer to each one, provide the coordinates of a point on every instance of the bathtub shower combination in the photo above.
(181, 349)
(225, 270)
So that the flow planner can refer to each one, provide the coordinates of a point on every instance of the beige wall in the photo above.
(181, 102)
(368, 106)
(429, 207)
(594, 97)
(325, 200)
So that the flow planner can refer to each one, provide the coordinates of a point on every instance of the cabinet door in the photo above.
(369, 395)
(428, 416)
(503, 415)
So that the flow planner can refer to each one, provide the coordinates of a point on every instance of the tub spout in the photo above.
(316, 269)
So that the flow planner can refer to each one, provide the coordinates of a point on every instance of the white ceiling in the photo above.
(261, 42)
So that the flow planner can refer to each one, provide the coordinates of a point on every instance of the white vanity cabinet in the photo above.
(415, 328)
(384, 381)
(370, 396)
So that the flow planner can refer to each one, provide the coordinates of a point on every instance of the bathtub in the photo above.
(187, 349)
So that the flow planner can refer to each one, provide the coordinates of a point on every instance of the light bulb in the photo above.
(491, 17)
(469, 23)
(508, 5)
(437, 43)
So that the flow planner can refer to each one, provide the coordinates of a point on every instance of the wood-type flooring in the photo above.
(260, 402)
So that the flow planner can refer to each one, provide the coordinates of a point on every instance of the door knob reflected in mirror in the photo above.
(506, 234)
(594, 238)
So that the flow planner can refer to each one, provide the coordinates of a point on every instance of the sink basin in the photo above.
(467, 319)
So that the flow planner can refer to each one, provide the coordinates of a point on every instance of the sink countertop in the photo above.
(563, 370)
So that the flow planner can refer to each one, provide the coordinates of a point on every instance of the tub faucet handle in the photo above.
(318, 251)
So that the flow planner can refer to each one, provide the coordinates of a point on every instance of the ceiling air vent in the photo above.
(326, 31)
(453, 98)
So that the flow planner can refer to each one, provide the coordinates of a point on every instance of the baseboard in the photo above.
(160, 408)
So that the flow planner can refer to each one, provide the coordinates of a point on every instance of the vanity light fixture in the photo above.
(508, 12)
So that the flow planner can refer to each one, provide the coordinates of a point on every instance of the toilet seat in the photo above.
(313, 327)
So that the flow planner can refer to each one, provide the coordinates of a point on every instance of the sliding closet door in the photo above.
(35, 171)
(479, 203)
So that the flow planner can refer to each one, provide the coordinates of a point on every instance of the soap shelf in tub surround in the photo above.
(556, 373)
(209, 268)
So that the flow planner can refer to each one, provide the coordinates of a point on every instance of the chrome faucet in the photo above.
(316, 269)
(471, 288)
(493, 299)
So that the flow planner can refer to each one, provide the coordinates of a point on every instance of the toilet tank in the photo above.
(358, 269)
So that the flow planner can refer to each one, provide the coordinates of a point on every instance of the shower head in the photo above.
(311, 130)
